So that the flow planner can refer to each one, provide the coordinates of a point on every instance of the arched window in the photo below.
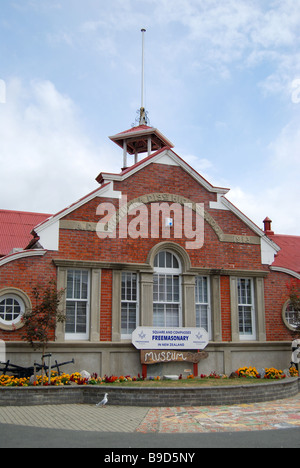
(167, 290)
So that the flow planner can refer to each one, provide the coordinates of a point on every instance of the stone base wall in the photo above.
(119, 358)
(163, 396)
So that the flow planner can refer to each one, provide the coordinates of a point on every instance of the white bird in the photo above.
(104, 401)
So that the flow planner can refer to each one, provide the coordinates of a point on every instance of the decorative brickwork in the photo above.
(233, 248)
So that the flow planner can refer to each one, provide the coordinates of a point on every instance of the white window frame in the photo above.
(80, 336)
(126, 301)
(21, 304)
(164, 272)
(244, 336)
(201, 303)
(290, 316)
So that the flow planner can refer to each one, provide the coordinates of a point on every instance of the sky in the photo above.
(222, 82)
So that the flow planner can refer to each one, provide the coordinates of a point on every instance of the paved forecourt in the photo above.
(278, 414)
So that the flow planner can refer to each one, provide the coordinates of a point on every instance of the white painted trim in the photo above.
(49, 235)
(48, 231)
(21, 255)
(285, 270)
(81, 336)
(267, 251)
(253, 335)
(218, 205)
(128, 336)
(208, 303)
(250, 224)
(175, 160)
(138, 133)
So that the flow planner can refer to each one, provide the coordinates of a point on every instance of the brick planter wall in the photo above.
(163, 396)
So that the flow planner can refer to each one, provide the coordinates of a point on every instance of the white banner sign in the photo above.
(169, 338)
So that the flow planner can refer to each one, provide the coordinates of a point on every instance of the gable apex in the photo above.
(163, 156)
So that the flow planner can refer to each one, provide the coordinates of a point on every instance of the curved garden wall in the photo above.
(150, 396)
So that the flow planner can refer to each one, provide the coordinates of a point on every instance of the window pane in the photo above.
(162, 259)
(244, 291)
(246, 308)
(77, 284)
(176, 289)
(81, 317)
(158, 315)
(172, 315)
(169, 280)
(10, 309)
(166, 260)
(129, 303)
(77, 289)
(201, 290)
(84, 285)
(129, 287)
(292, 316)
(161, 288)
(76, 317)
(128, 318)
(70, 317)
(70, 284)
(169, 260)
(134, 288)
(77, 302)
(245, 320)
(155, 288)
(202, 316)
(166, 290)
(175, 262)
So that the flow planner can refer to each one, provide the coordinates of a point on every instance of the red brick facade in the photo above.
(232, 249)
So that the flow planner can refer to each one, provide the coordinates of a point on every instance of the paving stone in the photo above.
(278, 414)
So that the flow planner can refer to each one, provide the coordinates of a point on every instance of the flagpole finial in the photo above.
(142, 109)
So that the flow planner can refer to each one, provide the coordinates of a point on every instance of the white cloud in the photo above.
(46, 159)
(277, 203)
(188, 35)
(277, 193)
(37, 5)
(286, 148)
(217, 35)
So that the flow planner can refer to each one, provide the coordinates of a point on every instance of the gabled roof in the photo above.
(16, 228)
(85, 199)
(164, 156)
(288, 257)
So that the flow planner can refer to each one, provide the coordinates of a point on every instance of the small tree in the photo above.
(41, 320)
(293, 296)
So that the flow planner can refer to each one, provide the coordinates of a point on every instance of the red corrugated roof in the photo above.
(289, 255)
(16, 227)
(139, 128)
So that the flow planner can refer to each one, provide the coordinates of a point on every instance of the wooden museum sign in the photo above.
(163, 345)
(155, 357)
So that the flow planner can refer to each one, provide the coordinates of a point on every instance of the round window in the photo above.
(11, 309)
(291, 317)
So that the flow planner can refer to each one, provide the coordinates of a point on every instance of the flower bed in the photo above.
(83, 379)
(267, 373)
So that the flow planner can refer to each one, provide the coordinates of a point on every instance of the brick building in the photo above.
(155, 245)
